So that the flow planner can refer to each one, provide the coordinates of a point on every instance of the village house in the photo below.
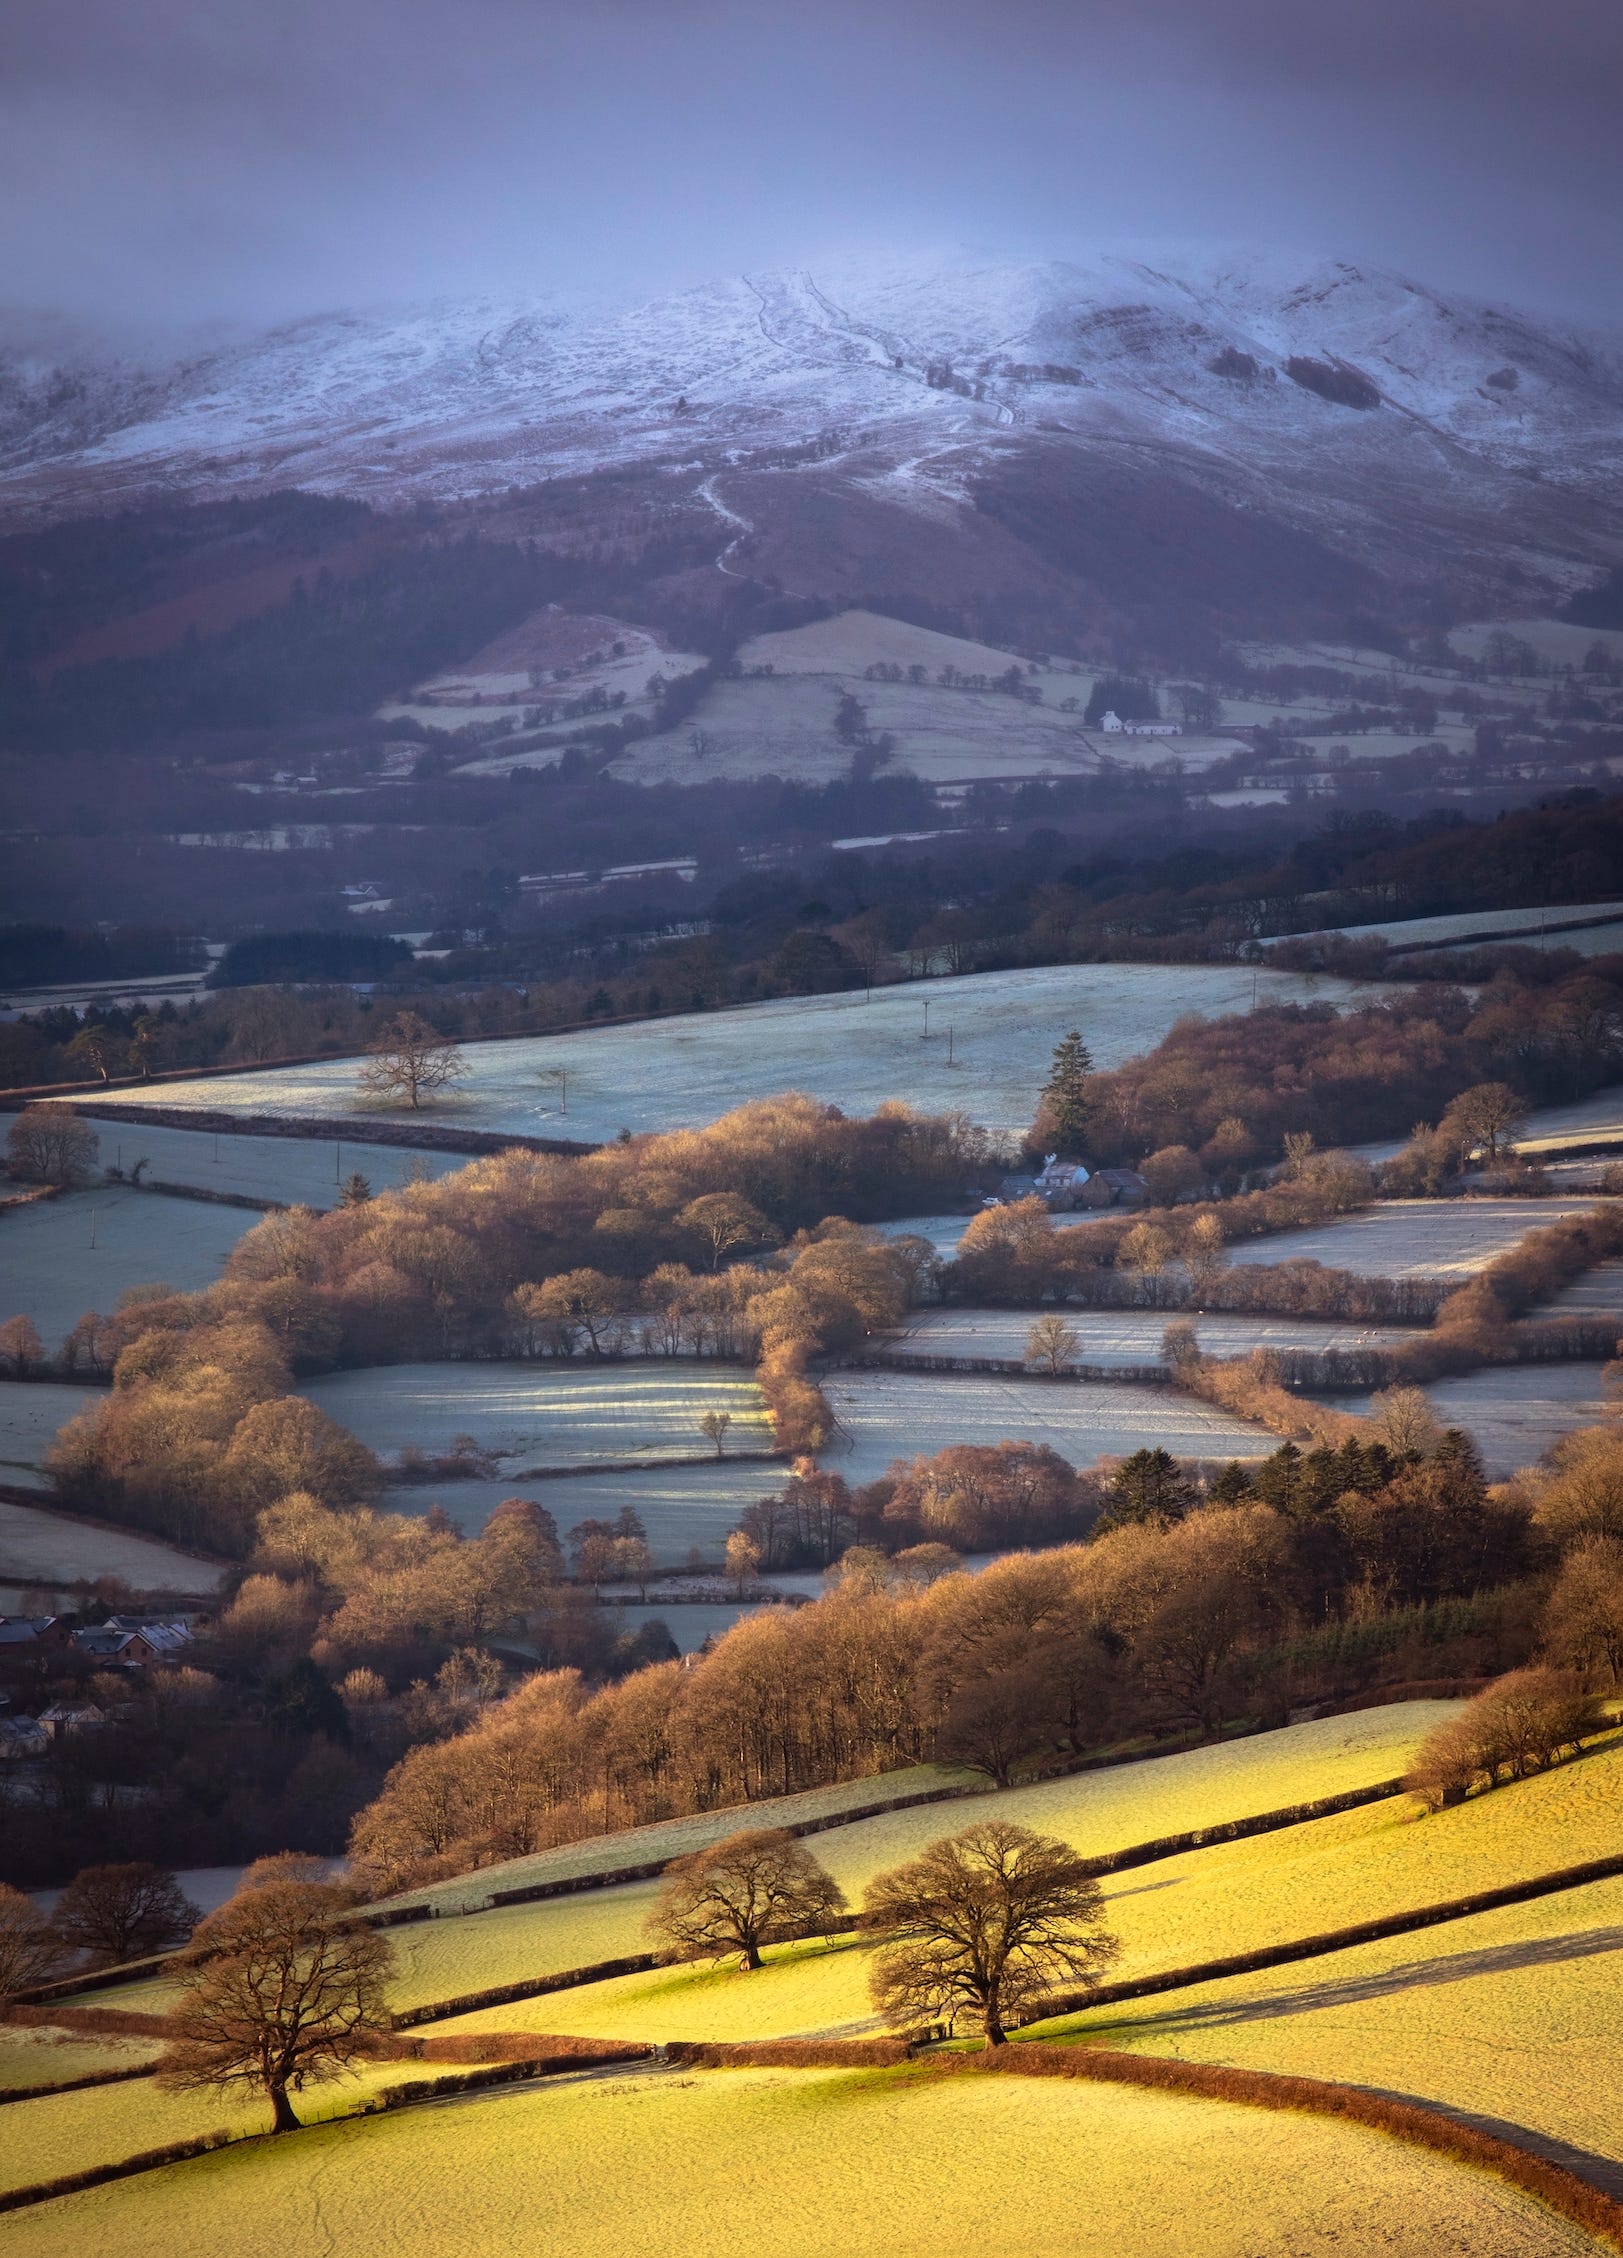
(124, 1642)
(70, 1717)
(30, 1635)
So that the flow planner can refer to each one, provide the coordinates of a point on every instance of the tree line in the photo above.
(1195, 1604)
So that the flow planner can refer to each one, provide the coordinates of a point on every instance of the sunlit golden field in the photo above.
(732, 2164)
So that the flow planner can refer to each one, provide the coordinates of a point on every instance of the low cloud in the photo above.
(184, 160)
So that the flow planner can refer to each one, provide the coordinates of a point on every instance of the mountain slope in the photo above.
(1238, 434)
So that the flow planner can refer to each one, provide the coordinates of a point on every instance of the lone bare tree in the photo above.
(283, 1988)
(410, 1060)
(713, 1425)
(743, 1560)
(123, 1912)
(49, 1144)
(1052, 1345)
(989, 1922)
(751, 1889)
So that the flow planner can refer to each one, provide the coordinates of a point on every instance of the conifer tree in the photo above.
(1062, 1118)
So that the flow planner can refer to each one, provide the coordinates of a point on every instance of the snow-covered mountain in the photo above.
(1348, 403)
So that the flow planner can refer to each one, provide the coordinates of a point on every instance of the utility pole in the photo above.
(926, 1019)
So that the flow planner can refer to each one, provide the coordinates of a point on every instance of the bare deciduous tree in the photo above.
(1488, 1118)
(1405, 1421)
(49, 1144)
(713, 1425)
(749, 1890)
(725, 1221)
(118, 1913)
(410, 1060)
(20, 1346)
(743, 1561)
(990, 1922)
(31, 1952)
(282, 1990)
(1053, 1345)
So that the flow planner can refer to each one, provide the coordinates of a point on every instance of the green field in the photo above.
(734, 2164)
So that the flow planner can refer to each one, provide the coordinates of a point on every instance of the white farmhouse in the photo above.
(1114, 726)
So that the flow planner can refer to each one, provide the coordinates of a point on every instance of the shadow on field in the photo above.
(1413, 1975)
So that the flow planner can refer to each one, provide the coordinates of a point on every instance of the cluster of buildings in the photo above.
(1065, 1185)
(124, 1642)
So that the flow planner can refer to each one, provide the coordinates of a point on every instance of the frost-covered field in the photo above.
(1508, 924)
(683, 1508)
(884, 1416)
(689, 1625)
(31, 1411)
(942, 1231)
(1415, 1238)
(1598, 1293)
(852, 1050)
(546, 1414)
(815, 2164)
(1516, 1412)
(1588, 1120)
(49, 1550)
(304, 1172)
(49, 1270)
(1127, 1336)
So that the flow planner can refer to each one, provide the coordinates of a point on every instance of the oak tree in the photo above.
(751, 1889)
(990, 1922)
(283, 1988)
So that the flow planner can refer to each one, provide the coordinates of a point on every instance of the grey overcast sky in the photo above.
(182, 161)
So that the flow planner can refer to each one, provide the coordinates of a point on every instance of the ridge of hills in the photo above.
(1236, 438)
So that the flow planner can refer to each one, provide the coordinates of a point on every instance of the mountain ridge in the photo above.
(834, 417)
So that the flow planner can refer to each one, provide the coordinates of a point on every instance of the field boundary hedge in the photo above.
(1237, 1830)
(533, 1987)
(305, 1128)
(1340, 1940)
(1126, 1375)
(1421, 2124)
(792, 2053)
(78, 2085)
(126, 2168)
